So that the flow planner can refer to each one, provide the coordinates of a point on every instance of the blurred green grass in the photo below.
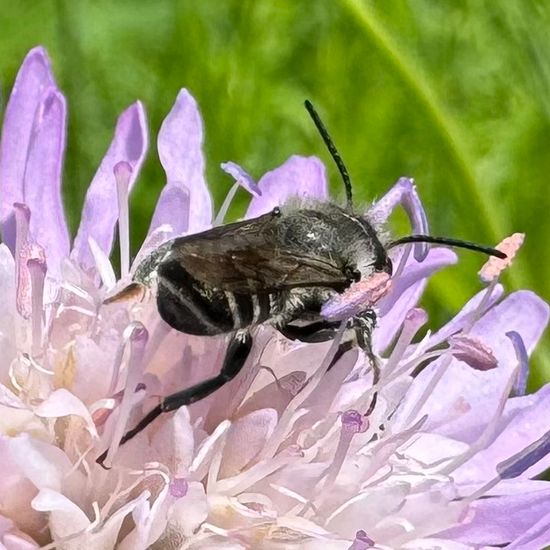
(452, 92)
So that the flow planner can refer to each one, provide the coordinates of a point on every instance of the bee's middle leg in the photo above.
(362, 326)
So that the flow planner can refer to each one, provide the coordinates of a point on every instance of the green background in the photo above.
(452, 92)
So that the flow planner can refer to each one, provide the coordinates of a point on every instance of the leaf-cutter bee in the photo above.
(280, 268)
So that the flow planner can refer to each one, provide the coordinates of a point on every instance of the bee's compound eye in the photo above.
(352, 273)
(276, 211)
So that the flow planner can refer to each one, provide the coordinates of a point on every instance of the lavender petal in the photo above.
(501, 519)
(404, 193)
(516, 465)
(173, 209)
(100, 212)
(298, 176)
(43, 180)
(524, 421)
(405, 293)
(33, 79)
(474, 395)
(180, 150)
(537, 536)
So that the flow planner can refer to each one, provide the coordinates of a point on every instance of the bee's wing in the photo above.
(247, 257)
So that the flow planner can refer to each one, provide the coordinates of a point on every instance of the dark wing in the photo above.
(249, 257)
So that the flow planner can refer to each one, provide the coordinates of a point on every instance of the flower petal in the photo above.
(298, 176)
(405, 293)
(42, 182)
(502, 519)
(45, 465)
(63, 403)
(404, 193)
(524, 422)
(173, 209)
(467, 395)
(245, 439)
(100, 212)
(33, 78)
(180, 150)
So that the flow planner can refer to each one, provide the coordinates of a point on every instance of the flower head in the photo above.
(283, 456)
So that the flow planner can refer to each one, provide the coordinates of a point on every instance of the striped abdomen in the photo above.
(190, 306)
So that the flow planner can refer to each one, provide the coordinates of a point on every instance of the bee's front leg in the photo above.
(235, 358)
(363, 325)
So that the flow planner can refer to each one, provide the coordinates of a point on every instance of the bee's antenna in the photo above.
(332, 150)
(456, 243)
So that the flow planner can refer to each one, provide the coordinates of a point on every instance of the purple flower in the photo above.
(282, 456)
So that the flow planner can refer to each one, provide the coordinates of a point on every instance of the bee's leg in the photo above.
(235, 358)
(318, 331)
(363, 326)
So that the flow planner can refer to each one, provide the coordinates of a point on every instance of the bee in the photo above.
(280, 268)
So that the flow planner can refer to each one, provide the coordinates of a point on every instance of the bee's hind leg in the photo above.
(235, 358)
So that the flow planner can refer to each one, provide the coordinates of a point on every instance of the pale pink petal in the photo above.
(44, 464)
(100, 212)
(33, 79)
(180, 150)
(245, 439)
(189, 512)
(7, 319)
(174, 443)
(49, 500)
(302, 177)
(63, 403)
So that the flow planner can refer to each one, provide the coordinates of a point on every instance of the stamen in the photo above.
(178, 487)
(473, 352)
(277, 436)
(242, 179)
(102, 264)
(261, 470)
(520, 462)
(37, 271)
(362, 541)
(22, 219)
(353, 422)
(220, 217)
(123, 173)
(136, 334)
(30, 252)
(520, 385)
(495, 266)
(414, 320)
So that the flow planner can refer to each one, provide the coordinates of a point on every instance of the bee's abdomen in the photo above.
(191, 306)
